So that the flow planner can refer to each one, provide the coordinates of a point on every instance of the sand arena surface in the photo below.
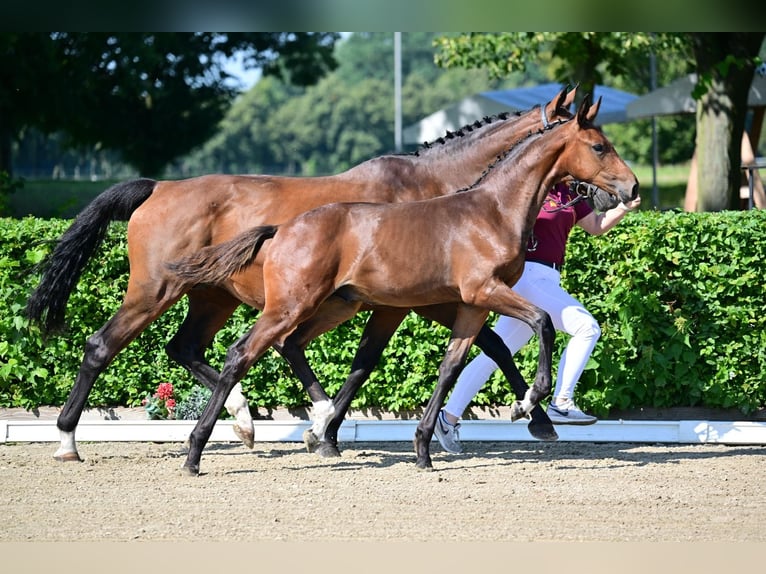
(495, 491)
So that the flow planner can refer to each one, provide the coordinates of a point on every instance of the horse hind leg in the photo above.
(380, 327)
(209, 309)
(268, 329)
(100, 350)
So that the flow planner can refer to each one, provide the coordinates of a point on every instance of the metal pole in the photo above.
(655, 150)
(398, 91)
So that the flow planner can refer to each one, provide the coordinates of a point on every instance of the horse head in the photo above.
(593, 163)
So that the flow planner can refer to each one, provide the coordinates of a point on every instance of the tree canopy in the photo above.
(725, 63)
(152, 97)
(346, 118)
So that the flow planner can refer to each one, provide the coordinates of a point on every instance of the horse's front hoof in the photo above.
(190, 470)
(247, 436)
(518, 411)
(327, 450)
(67, 456)
(310, 440)
(542, 431)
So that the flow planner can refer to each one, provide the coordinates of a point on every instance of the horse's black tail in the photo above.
(63, 267)
(213, 264)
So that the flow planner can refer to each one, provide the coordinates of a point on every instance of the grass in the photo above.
(65, 199)
(671, 186)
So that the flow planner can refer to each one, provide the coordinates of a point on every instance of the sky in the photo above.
(250, 77)
(247, 77)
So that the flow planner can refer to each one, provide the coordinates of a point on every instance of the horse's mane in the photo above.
(511, 150)
(466, 129)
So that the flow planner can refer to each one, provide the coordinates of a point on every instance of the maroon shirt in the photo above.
(552, 227)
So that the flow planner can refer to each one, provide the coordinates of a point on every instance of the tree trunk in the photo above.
(721, 114)
(6, 140)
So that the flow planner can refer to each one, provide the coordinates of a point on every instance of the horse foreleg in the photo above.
(540, 425)
(468, 321)
(322, 407)
(209, 309)
(380, 327)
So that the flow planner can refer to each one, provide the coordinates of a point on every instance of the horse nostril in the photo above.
(634, 193)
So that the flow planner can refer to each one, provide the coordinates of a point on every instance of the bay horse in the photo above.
(465, 249)
(170, 219)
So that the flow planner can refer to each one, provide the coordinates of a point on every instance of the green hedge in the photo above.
(680, 299)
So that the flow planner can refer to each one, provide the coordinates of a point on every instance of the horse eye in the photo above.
(598, 147)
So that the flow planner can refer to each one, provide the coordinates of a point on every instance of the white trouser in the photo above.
(541, 286)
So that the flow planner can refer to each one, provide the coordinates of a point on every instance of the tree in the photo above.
(725, 63)
(152, 97)
(246, 140)
(344, 119)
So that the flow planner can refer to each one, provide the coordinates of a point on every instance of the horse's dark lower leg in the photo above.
(295, 356)
(239, 358)
(95, 359)
(468, 322)
(100, 350)
(543, 382)
(380, 327)
(540, 425)
(204, 427)
(492, 345)
(209, 309)
(331, 313)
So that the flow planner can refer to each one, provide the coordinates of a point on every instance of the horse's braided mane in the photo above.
(499, 159)
(466, 129)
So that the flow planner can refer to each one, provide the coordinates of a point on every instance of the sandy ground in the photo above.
(601, 492)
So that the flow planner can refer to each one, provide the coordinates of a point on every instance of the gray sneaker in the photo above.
(568, 414)
(447, 434)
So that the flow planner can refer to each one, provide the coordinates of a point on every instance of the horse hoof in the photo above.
(518, 412)
(310, 440)
(424, 465)
(189, 470)
(327, 450)
(247, 436)
(542, 431)
(67, 457)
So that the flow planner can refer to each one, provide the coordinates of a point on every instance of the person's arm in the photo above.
(599, 223)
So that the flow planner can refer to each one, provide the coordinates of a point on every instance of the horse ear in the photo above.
(571, 96)
(593, 110)
(557, 103)
(583, 110)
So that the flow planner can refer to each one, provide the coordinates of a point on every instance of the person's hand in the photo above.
(631, 205)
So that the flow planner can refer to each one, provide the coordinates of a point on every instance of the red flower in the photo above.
(165, 391)
(170, 403)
